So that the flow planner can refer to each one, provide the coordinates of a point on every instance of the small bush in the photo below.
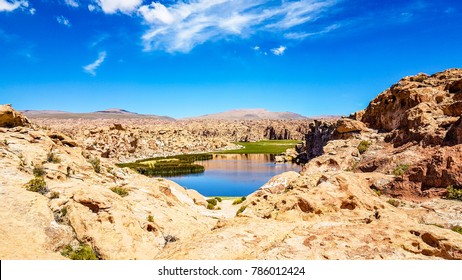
(400, 169)
(241, 210)
(54, 195)
(239, 200)
(453, 193)
(150, 219)
(84, 252)
(363, 146)
(51, 157)
(212, 201)
(123, 192)
(38, 171)
(170, 239)
(210, 206)
(394, 202)
(38, 185)
(457, 229)
(96, 163)
(219, 199)
(377, 192)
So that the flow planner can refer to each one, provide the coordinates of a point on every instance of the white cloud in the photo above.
(279, 51)
(32, 11)
(181, 26)
(91, 7)
(11, 5)
(256, 48)
(72, 3)
(64, 21)
(114, 6)
(91, 68)
(303, 35)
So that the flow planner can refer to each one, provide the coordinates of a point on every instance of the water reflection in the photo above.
(234, 175)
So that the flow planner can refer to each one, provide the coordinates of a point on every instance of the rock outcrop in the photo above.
(418, 108)
(11, 118)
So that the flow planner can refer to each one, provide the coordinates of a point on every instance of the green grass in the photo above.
(363, 146)
(239, 200)
(400, 169)
(263, 147)
(242, 209)
(38, 185)
(38, 171)
(169, 166)
(457, 229)
(123, 192)
(453, 193)
(84, 252)
(96, 163)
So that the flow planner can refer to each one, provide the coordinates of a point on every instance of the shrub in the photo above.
(96, 163)
(400, 169)
(453, 193)
(219, 199)
(170, 239)
(123, 192)
(363, 146)
(51, 157)
(239, 200)
(212, 201)
(394, 202)
(38, 185)
(210, 206)
(54, 195)
(377, 192)
(457, 229)
(38, 171)
(241, 210)
(84, 252)
(150, 219)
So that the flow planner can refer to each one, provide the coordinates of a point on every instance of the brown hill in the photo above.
(104, 114)
(252, 114)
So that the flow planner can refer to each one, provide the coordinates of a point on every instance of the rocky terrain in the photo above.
(373, 188)
(130, 139)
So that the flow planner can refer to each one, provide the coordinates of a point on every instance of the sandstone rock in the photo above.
(348, 125)
(11, 118)
(419, 108)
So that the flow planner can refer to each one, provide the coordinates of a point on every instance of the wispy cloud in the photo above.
(64, 21)
(114, 6)
(303, 35)
(91, 68)
(72, 3)
(11, 5)
(182, 26)
(279, 51)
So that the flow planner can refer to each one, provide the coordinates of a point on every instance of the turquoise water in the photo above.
(234, 175)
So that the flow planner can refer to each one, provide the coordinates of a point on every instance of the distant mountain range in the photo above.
(252, 114)
(114, 113)
(104, 114)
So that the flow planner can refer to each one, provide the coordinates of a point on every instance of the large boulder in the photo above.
(11, 118)
(418, 108)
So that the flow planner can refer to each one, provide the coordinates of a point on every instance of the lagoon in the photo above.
(234, 174)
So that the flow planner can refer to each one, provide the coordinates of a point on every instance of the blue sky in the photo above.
(187, 58)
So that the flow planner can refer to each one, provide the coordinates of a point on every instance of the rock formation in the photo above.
(131, 139)
(371, 188)
(11, 118)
